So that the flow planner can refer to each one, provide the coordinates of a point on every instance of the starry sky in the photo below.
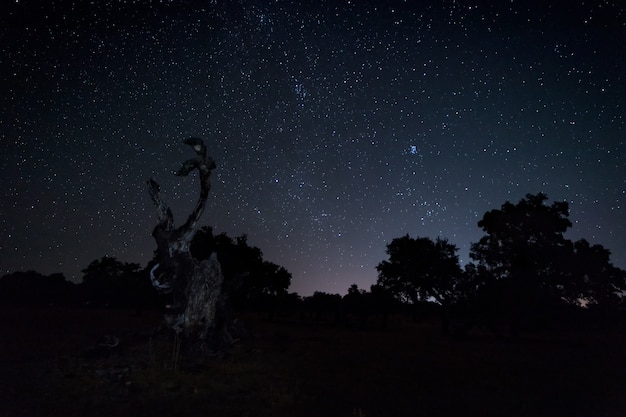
(336, 125)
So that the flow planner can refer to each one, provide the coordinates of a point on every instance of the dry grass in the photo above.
(296, 369)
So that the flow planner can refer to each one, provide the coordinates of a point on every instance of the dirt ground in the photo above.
(51, 365)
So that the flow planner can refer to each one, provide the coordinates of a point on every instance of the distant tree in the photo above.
(354, 289)
(286, 305)
(357, 302)
(33, 289)
(383, 302)
(323, 306)
(108, 282)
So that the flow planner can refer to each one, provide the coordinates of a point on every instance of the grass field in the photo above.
(48, 367)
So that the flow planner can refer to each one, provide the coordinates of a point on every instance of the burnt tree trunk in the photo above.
(196, 287)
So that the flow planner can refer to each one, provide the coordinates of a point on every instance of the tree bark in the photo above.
(196, 286)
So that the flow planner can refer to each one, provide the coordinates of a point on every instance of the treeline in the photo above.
(107, 282)
(32, 289)
(523, 272)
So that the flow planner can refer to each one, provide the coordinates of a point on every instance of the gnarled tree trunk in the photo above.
(196, 286)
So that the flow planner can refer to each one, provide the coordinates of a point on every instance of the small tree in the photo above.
(384, 302)
(108, 282)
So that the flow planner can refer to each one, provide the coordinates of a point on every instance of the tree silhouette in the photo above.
(323, 306)
(356, 302)
(32, 289)
(589, 278)
(522, 238)
(384, 302)
(108, 282)
(532, 268)
(360, 305)
(420, 269)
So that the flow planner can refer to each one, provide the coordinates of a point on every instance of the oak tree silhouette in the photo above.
(530, 268)
(421, 269)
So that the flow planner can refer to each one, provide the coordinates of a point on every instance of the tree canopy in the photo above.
(419, 269)
(524, 264)
(525, 250)
(248, 277)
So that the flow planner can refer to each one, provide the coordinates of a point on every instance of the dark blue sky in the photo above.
(336, 125)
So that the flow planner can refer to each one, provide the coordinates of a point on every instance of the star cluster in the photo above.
(336, 125)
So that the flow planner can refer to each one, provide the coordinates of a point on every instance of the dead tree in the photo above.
(196, 287)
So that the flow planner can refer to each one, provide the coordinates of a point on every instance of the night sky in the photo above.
(336, 125)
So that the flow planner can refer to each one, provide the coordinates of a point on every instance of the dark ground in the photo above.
(49, 367)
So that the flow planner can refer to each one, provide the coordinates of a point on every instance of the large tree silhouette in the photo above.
(530, 266)
(419, 269)
(524, 239)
